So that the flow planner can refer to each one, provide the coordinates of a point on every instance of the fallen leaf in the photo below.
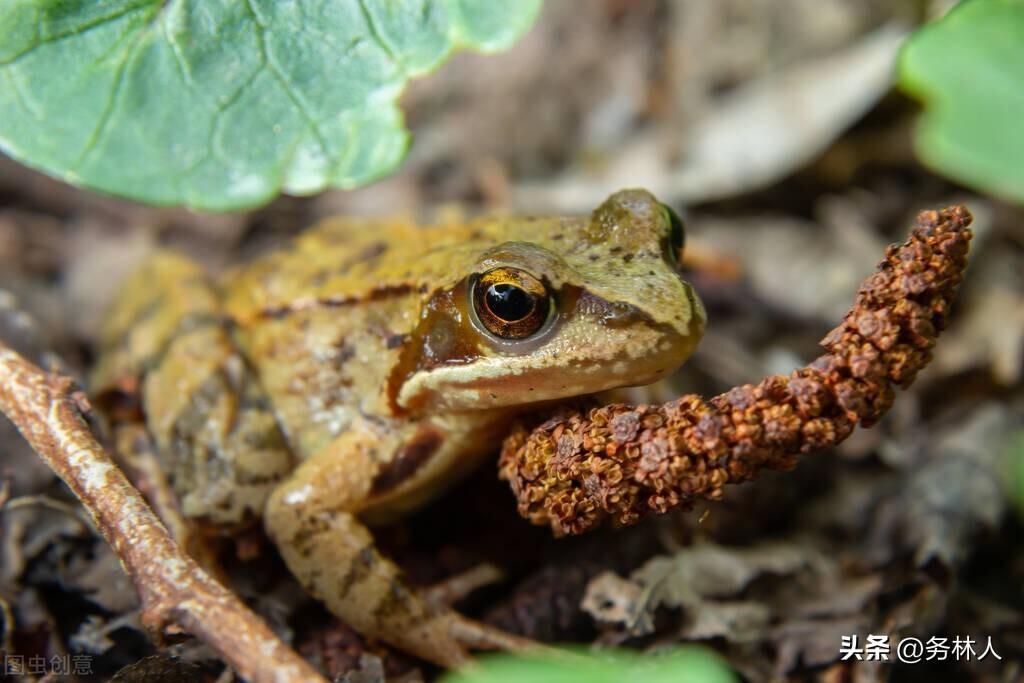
(953, 496)
(158, 669)
(989, 329)
(738, 622)
(689, 579)
(371, 670)
(800, 267)
(753, 136)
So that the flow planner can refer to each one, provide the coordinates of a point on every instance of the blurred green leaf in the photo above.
(222, 104)
(691, 664)
(968, 70)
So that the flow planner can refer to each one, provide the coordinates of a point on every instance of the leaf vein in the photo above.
(19, 94)
(179, 54)
(77, 31)
(379, 37)
(104, 120)
(276, 72)
(218, 113)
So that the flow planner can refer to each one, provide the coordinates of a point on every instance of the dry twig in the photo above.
(172, 588)
(622, 462)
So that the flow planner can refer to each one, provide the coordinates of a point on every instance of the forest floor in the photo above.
(730, 112)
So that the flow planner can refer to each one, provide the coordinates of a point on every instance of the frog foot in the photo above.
(334, 557)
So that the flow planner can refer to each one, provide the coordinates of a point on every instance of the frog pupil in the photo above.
(508, 302)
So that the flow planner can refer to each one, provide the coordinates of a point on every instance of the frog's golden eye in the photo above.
(677, 233)
(510, 303)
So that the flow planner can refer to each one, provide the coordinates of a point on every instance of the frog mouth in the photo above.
(565, 368)
(655, 356)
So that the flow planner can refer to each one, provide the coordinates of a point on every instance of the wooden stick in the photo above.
(173, 589)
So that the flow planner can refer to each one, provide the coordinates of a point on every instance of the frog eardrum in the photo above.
(509, 303)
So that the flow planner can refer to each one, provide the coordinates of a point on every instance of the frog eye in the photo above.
(510, 303)
(677, 233)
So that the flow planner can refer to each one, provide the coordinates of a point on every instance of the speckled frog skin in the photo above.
(356, 372)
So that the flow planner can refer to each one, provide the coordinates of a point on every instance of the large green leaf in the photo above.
(221, 104)
(968, 69)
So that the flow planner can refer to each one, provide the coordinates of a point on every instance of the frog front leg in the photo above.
(312, 518)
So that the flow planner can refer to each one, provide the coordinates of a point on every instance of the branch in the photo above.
(171, 586)
(621, 462)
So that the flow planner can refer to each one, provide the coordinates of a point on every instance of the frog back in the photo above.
(325, 320)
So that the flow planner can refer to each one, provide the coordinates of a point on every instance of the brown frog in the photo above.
(363, 368)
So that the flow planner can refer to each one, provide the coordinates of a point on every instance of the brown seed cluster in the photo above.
(621, 462)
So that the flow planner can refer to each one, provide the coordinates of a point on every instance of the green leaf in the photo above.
(968, 69)
(221, 104)
(689, 664)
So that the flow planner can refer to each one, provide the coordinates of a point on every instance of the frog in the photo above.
(358, 371)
